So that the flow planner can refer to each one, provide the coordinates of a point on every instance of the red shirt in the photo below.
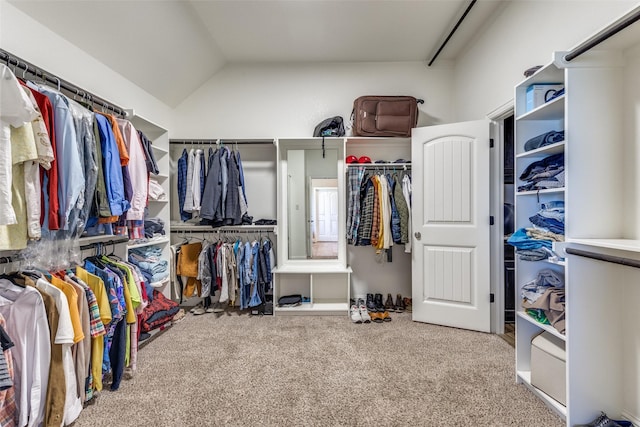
(46, 109)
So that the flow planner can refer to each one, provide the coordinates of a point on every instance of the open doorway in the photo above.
(508, 194)
(502, 202)
(324, 218)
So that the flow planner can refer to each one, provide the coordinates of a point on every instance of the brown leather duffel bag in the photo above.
(385, 115)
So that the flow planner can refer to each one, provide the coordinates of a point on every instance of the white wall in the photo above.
(524, 34)
(28, 39)
(289, 100)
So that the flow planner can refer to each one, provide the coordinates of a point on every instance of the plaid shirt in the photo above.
(355, 178)
(96, 326)
(366, 216)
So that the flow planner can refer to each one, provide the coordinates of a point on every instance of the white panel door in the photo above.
(450, 220)
(327, 214)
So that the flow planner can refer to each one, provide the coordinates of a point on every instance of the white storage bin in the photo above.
(548, 366)
(536, 94)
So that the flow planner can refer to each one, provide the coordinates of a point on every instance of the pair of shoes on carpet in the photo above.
(397, 306)
(408, 306)
(359, 313)
(380, 317)
(604, 421)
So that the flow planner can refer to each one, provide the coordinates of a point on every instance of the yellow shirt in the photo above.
(72, 297)
(97, 344)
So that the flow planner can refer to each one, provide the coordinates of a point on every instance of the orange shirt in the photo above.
(72, 298)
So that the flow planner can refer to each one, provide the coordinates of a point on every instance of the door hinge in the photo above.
(492, 298)
(491, 220)
(490, 142)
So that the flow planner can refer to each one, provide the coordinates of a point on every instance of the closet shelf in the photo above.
(154, 241)
(316, 307)
(629, 245)
(545, 191)
(548, 328)
(525, 378)
(315, 266)
(556, 148)
(552, 110)
(159, 150)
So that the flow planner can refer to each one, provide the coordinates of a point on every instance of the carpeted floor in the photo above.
(238, 370)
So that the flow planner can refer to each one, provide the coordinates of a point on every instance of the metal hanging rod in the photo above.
(230, 230)
(601, 257)
(222, 141)
(395, 166)
(104, 244)
(28, 68)
(455, 28)
(603, 35)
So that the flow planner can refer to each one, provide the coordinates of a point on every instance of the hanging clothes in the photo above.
(24, 311)
(137, 170)
(15, 110)
(182, 184)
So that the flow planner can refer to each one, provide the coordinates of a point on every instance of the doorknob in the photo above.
(418, 235)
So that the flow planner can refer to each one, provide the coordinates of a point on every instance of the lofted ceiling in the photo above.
(171, 47)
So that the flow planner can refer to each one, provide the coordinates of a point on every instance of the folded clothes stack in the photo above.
(149, 261)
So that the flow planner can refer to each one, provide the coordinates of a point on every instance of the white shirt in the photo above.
(24, 194)
(137, 170)
(188, 201)
(64, 334)
(28, 327)
(195, 186)
(406, 192)
(16, 110)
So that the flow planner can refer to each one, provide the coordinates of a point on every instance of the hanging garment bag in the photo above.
(385, 115)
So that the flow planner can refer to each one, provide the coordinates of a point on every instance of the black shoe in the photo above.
(399, 304)
(378, 303)
(371, 304)
(601, 421)
(388, 304)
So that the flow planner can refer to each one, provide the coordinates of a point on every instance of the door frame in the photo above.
(496, 176)
(316, 227)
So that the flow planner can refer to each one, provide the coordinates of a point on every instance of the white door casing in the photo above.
(450, 220)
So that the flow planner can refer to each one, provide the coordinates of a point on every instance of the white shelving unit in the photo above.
(599, 114)
(325, 282)
(528, 124)
(159, 138)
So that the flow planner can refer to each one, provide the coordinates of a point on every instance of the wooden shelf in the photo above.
(629, 245)
(545, 191)
(559, 408)
(555, 148)
(315, 308)
(547, 328)
(316, 266)
(155, 241)
(552, 110)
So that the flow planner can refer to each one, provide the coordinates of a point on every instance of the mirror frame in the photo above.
(283, 147)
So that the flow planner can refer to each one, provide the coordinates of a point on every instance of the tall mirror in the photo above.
(313, 204)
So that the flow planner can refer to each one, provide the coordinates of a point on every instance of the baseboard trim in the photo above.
(633, 418)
